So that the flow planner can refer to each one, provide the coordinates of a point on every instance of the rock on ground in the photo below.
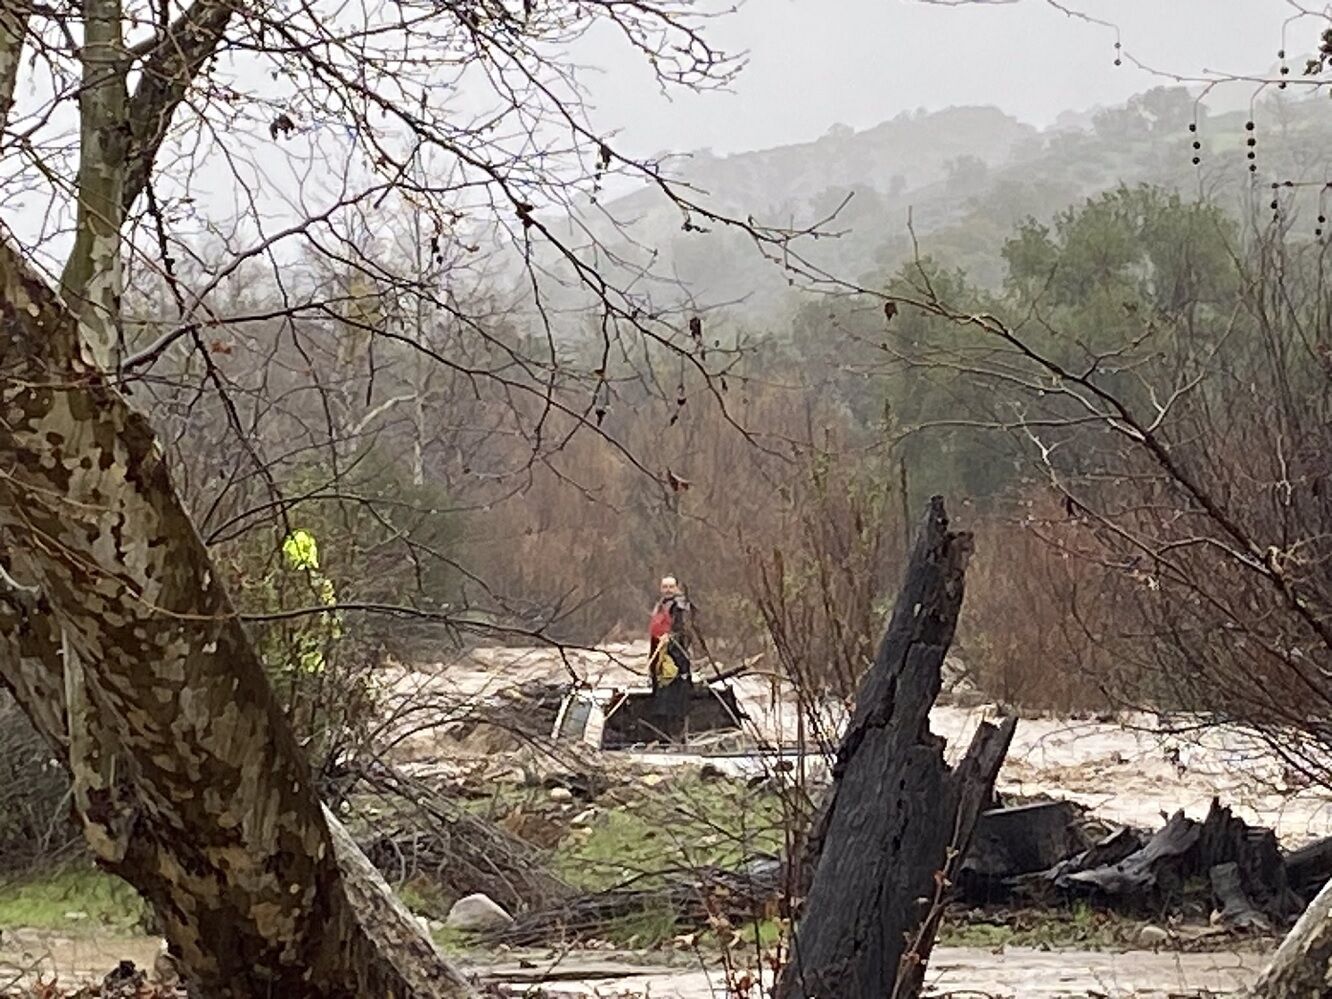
(476, 913)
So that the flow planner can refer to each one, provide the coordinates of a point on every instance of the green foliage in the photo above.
(1128, 249)
(901, 380)
(370, 537)
(70, 898)
(1128, 278)
(1130, 274)
(380, 535)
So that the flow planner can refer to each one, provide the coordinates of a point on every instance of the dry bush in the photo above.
(35, 819)
(821, 588)
(593, 531)
(1037, 599)
(1232, 592)
(1192, 467)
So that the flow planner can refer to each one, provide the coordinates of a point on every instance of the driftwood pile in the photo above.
(1043, 853)
(419, 831)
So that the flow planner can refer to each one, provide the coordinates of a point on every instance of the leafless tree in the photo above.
(122, 642)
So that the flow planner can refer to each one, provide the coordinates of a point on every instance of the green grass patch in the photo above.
(452, 941)
(1078, 927)
(422, 897)
(645, 836)
(69, 898)
(764, 933)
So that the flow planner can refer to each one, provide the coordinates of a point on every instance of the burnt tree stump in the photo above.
(897, 819)
(1243, 862)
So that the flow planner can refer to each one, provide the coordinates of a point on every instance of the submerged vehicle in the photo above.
(615, 718)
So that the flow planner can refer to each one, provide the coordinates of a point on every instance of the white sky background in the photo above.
(813, 63)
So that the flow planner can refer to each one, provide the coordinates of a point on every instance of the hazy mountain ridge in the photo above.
(963, 176)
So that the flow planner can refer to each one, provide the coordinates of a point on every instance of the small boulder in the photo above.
(584, 818)
(477, 913)
(1153, 936)
(561, 794)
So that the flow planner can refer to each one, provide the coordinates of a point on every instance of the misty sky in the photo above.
(860, 62)
(812, 64)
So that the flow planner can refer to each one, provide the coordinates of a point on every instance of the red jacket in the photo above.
(660, 624)
(668, 618)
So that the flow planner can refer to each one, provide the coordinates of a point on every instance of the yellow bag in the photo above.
(663, 666)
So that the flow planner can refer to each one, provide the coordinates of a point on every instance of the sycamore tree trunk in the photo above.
(1302, 965)
(195, 790)
(13, 20)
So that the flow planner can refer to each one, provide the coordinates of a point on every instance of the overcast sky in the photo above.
(816, 63)
(813, 63)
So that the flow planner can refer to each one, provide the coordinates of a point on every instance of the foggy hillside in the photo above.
(963, 177)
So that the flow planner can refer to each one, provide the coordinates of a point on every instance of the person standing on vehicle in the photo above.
(668, 633)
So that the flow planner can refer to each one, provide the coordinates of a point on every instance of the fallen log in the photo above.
(1155, 869)
(1309, 868)
(1017, 840)
(1107, 851)
(897, 819)
(704, 898)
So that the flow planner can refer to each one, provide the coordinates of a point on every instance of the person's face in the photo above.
(669, 588)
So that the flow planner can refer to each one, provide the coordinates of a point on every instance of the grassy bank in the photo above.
(72, 897)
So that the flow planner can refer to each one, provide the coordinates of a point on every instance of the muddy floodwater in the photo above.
(960, 971)
(1129, 769)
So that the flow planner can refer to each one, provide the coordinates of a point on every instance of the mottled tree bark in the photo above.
(899, 819)
(210, 812)
(1302, 965)
(92, 279)
(30, 660)
(13, 24)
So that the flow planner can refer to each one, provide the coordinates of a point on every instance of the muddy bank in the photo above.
(1014, 972)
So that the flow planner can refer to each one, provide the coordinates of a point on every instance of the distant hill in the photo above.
(964, 176)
